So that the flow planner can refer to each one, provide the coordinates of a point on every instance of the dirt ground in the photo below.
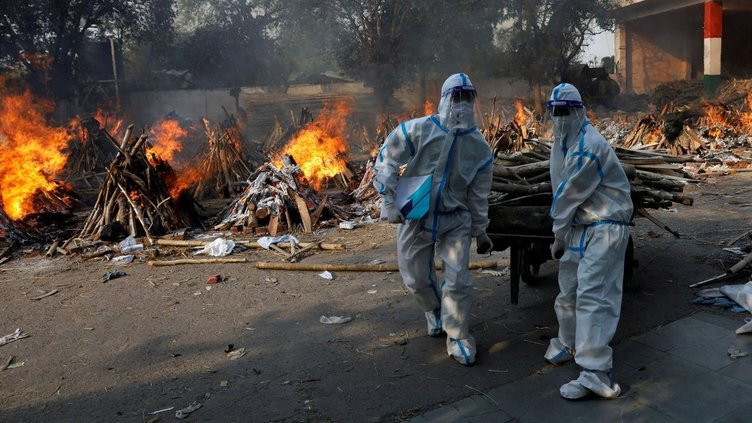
(155, 338)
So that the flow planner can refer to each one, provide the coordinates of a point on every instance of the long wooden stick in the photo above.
(357, 267)
(196, 261)
(245, 243)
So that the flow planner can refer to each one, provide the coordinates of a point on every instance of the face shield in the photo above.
(567, 117)
(458, 107)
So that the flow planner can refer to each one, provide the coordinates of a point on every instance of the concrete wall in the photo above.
(659, 49)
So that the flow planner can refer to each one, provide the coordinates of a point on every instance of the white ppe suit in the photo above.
(591, 210)
(457, 163)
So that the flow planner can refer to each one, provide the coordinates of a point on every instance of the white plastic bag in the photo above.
(220, 247)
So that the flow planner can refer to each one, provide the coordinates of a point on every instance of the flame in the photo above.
(31, 151)
(108, 121)
(428, 108)
(715, 120)
(520, 117)
(746, 118)
(319, 148)
(656, 135)
(168, 140)
(185, 178)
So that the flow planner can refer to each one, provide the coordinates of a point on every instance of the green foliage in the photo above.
(545, 36)
(54, 32)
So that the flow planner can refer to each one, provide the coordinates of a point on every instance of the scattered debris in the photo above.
(348, 225)
(220, 247)
(215, 279)
(162, 411)
(121, 260)
(130, 245)
(223, 383)
(13, 336)
(334, 320)
(358, 267)
(372, 291)
(735, 352)
(45, 295)
(7, 363)
(236, 354)
(113, 274)
(327, 275)
(185, 412)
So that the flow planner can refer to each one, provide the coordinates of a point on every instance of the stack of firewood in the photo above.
(511, 136)
(280, 200)
(652, 133)
(222, 167)
(90, 151)
(657, 179)
(14, 232)
(133, 197)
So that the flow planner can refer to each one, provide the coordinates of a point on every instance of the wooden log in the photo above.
(357, 267)
(262, 212)
(196, 261)
(273, 225)
(302, 211)
(317, 213)
(521, 189)
(53, 249)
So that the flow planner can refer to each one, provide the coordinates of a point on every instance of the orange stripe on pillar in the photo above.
(713, 19)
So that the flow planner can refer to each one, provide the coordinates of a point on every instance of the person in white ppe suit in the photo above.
(591, 211)
(440, 202)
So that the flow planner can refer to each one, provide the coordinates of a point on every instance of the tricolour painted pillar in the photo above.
(713, 32)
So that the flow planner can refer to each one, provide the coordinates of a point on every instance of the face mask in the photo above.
(461, 115)
(562, 126)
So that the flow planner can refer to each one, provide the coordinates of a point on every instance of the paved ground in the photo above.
(679, 372)
(145, 342)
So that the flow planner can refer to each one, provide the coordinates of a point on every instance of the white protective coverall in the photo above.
(452, 152)
(591, 211)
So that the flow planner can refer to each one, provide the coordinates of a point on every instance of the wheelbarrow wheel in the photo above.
(530, 269)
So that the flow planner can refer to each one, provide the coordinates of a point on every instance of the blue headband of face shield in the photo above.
(464, 92)
(564, 103)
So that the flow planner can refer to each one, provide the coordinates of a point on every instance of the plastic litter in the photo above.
(334, 320)
(161, 411)
(13, 336)
(15, 365)
(372, 291)
(503, 272)
(734, 352)
(326, 275)
(376, 262)
(236, 354)
(185, 412)
(121, 260)
(746, 327)
(348, 224)
(130, 245)
(220, 247)
(736, 250)
(113, 274)
(367, 219)
(266, 241)
(740, 294)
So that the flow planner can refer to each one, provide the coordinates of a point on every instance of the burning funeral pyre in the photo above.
(134, 199)
(32, 155)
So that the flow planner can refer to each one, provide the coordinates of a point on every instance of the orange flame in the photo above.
(428, 108)
(185, 178)
(31, 151)
(746, 118)
(108, 121)
(520, 117)
(319, 148)
(168, 138)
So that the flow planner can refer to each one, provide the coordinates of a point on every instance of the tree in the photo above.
(545, 36)
(386, 43)
(52, 32)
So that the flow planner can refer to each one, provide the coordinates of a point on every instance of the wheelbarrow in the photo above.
(526, 231)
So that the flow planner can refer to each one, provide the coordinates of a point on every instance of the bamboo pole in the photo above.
(357, 267)
(196, 261)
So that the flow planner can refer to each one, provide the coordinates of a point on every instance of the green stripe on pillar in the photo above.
(710, 84)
